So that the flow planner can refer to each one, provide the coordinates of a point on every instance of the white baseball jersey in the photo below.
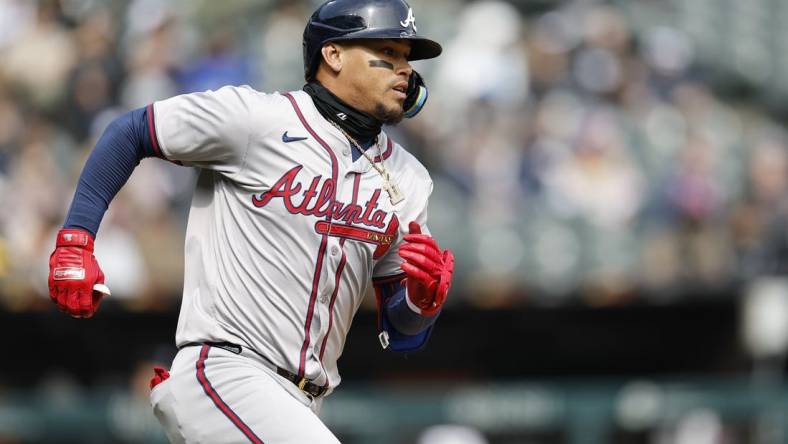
(286, 231)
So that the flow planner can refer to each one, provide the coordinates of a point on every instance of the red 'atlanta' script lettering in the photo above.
(317, 202)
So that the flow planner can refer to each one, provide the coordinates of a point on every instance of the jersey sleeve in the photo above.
(209, 129)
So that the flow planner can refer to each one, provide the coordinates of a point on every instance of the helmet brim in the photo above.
(421, 48)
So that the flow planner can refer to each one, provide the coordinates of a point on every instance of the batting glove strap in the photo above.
(74, 237)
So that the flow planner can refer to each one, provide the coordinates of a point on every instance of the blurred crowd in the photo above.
(576, 156)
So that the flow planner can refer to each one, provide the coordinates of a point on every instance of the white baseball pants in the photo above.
(214, 396)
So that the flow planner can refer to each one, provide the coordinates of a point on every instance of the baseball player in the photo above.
(302, 201)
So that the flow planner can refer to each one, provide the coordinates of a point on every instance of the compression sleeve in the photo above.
(125, 142)
(402, 317)
(404, 331)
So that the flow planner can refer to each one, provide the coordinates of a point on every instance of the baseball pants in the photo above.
(214, 396)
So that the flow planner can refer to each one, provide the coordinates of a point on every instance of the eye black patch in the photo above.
(380, 64)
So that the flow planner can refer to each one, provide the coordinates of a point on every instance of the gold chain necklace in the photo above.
(395, 195)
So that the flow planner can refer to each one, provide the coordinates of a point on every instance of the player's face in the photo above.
(376, 73)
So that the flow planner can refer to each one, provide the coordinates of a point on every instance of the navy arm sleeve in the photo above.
(405, 330)
(402, 317)
(126, 141)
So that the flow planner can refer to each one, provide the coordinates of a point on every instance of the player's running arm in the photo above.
(409, 303)
(75, 278)
(208, 130)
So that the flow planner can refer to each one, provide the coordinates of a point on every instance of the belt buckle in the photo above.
(302, 383)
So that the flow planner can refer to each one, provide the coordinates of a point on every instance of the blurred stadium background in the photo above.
(612, 175)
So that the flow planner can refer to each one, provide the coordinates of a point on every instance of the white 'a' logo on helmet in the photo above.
(410, 20)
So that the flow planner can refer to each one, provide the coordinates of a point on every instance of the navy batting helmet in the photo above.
(337, 20)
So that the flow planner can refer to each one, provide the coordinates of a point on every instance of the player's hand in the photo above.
(429, 270)
(76, 283)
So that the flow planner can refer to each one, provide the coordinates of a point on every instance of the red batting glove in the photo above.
(76, 283)
(429, 270)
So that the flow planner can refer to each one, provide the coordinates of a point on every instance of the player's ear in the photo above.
(332, 56)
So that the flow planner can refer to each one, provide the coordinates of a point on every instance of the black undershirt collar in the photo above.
(359, 125)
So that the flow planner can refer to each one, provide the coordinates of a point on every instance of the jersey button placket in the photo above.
(342, 185)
